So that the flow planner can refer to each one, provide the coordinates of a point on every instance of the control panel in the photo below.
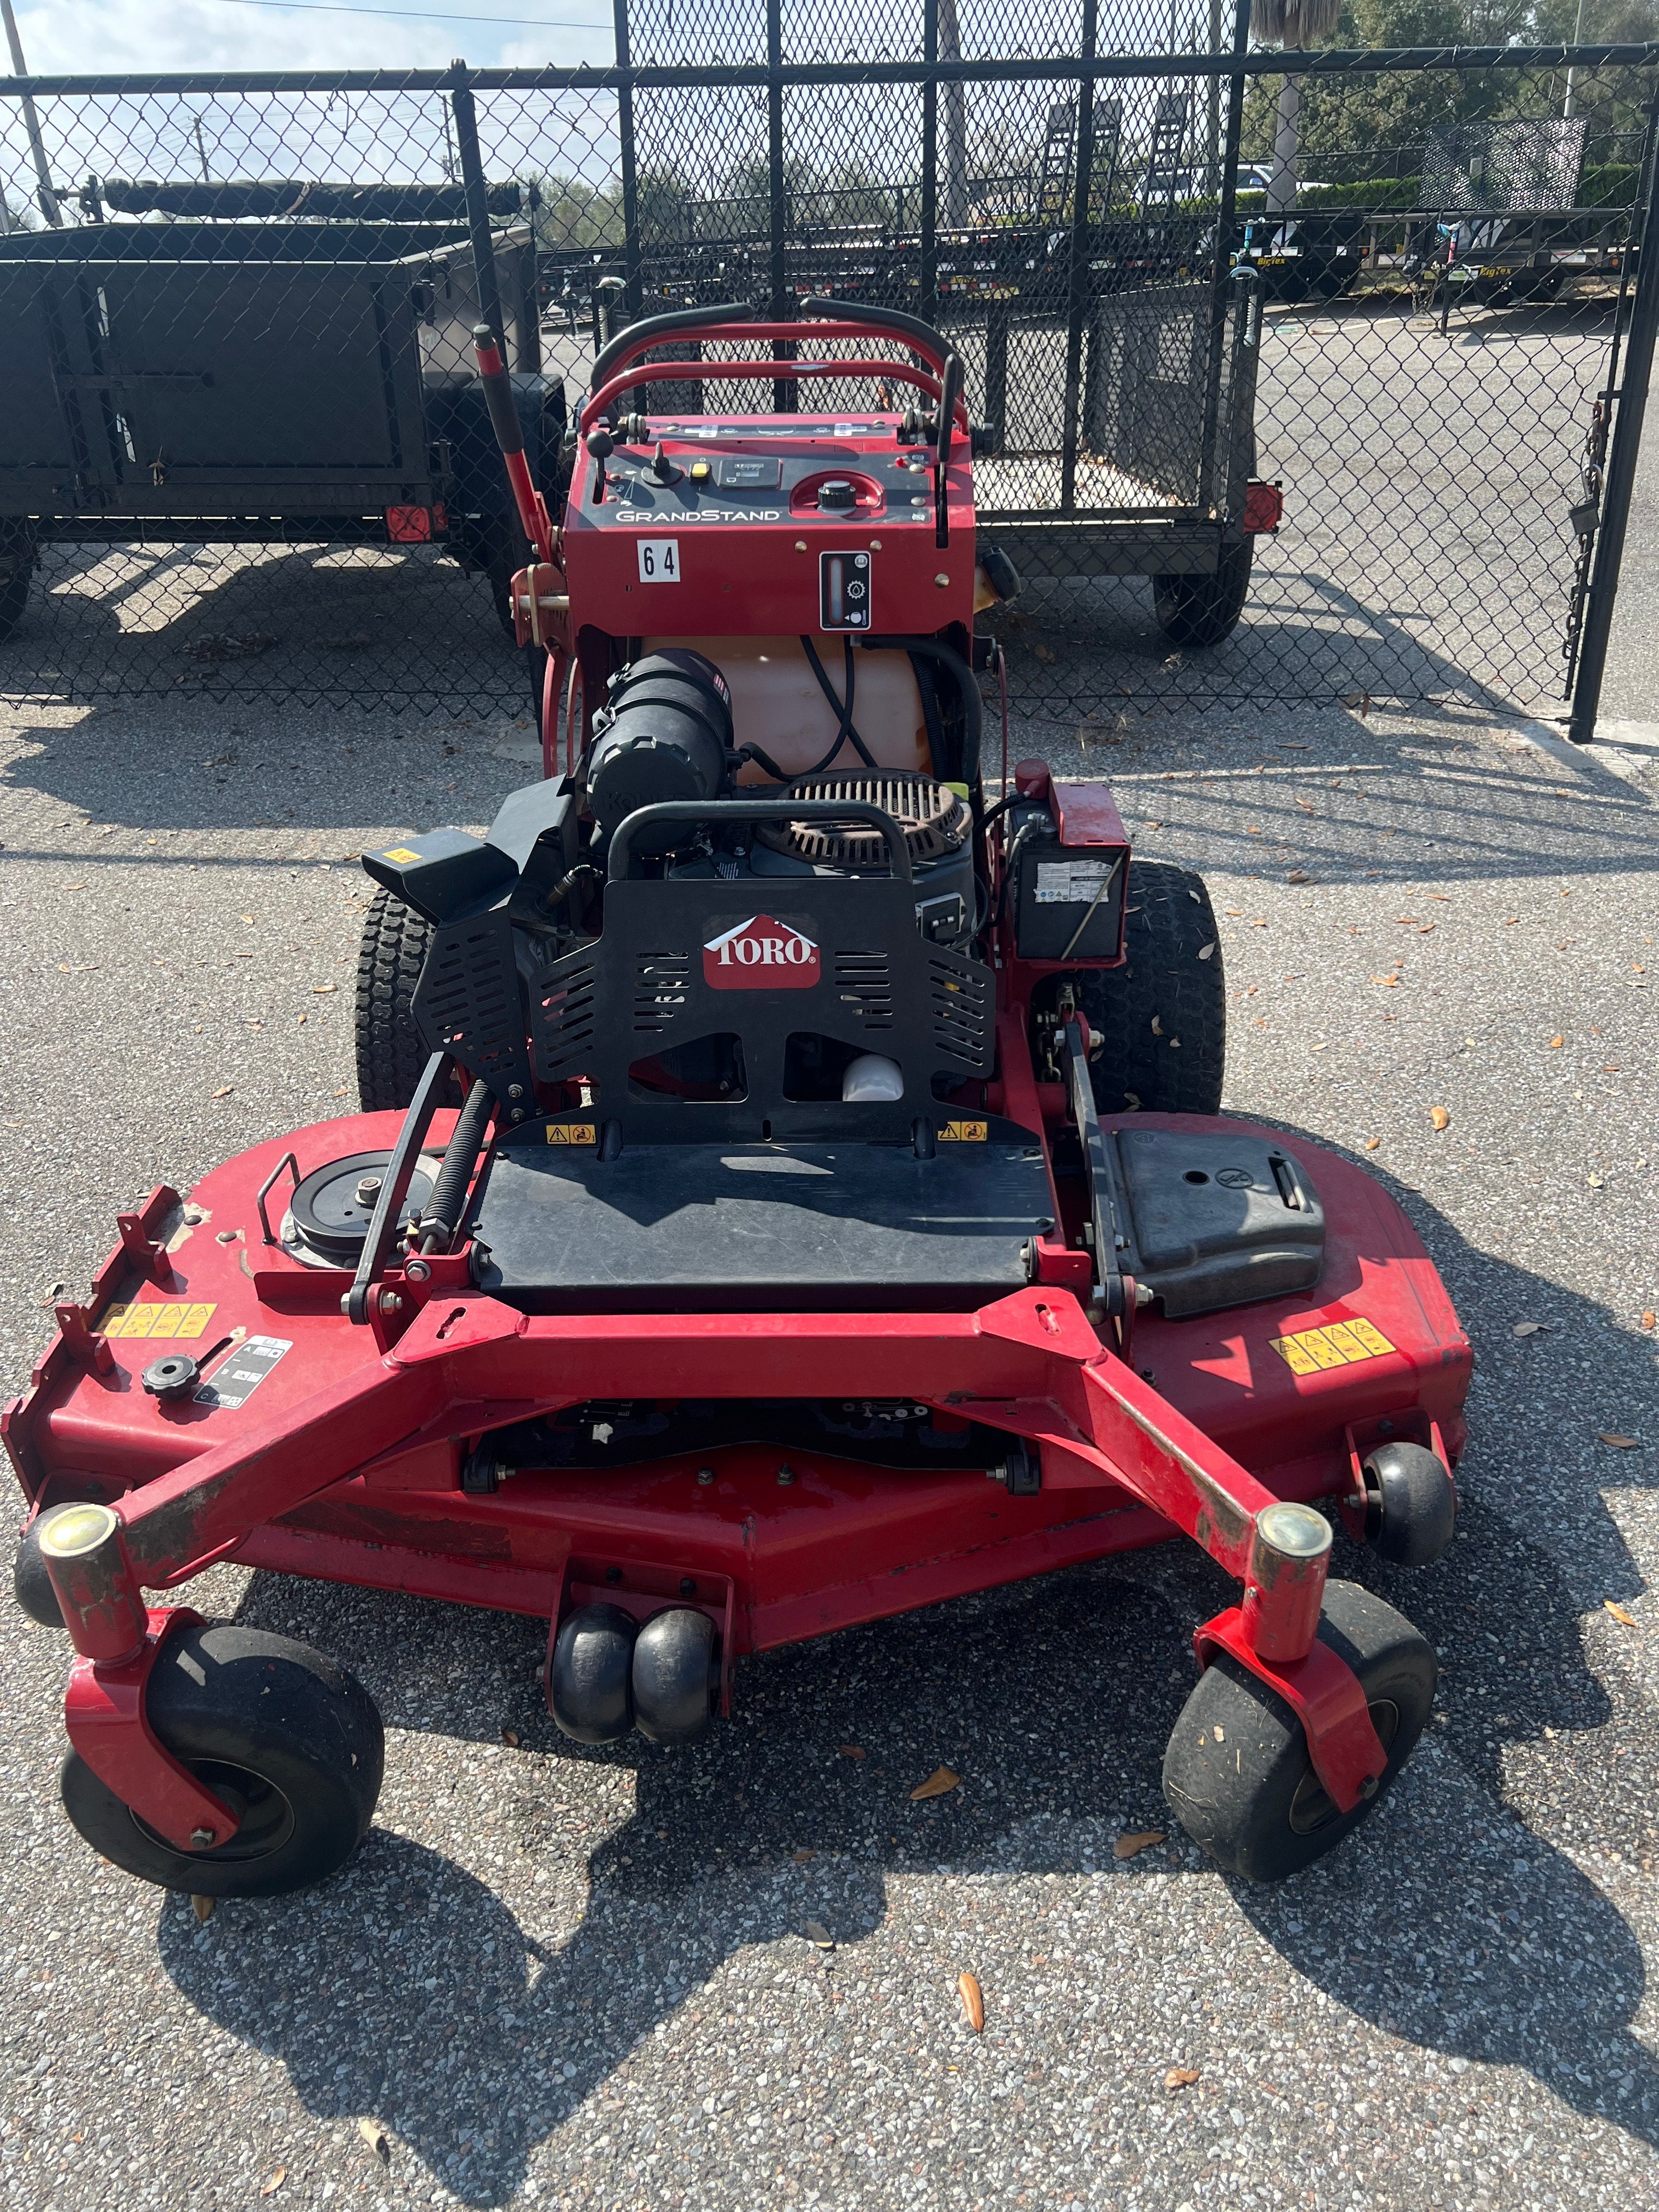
(809, 524)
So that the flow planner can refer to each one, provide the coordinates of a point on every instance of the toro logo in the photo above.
(761, 955)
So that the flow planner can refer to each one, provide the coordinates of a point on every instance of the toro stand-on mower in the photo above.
(790, 1191)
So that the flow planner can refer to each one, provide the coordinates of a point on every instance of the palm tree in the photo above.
(1298, 24)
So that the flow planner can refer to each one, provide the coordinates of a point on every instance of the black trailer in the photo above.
(266, 361)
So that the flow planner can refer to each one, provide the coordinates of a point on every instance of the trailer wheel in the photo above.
(1161, 1018)
(281, 1731)
(1237, 1772)
(391, 1056)
(18, 552)
(506, 550)
(1201, 611)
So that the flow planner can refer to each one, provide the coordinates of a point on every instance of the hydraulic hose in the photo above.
(973, 707)
(843, 708)
(440, 1217)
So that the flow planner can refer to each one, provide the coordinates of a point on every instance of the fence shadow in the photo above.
(1446, 1921)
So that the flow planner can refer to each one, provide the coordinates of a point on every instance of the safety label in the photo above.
(1338, 1344)
(964, 1132)
(402, 855)
(155, 1320)
(570, 1133)
(243, 1371)
(1072, 883)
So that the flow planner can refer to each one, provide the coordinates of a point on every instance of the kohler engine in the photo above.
(938, 832)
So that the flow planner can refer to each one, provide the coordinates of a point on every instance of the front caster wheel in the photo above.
(281, 1732)
(1237, 1772)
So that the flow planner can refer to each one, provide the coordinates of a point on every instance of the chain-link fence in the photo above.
(246, 452)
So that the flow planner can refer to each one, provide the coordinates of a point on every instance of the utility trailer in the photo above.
(263, 361)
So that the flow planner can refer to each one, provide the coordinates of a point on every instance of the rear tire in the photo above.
(284, 1733)
(1201, 611)
(391, 1056)
(1161, 1018)
(1237, 1772)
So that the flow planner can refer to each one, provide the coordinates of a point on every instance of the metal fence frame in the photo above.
(1601, 521)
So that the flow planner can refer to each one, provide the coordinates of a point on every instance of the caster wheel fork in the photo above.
(1238, 1773)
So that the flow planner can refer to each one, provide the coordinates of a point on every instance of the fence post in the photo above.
(1079, 273)
(47, 196)
(927, 305)
(1225, 209)
(1632, 397)
(784, 388)
(477, 201)
(999, 322)
(630, 182)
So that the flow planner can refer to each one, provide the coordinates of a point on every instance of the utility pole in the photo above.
(48, 198)
(1577, 33)
(956, 121)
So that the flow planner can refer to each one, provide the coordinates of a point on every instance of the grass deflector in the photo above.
(791, 1190)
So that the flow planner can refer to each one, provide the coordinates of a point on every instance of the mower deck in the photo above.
(345, 1446)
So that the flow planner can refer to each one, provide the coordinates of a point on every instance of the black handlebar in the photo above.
(663, 326)
(759, 810)
(893, 318)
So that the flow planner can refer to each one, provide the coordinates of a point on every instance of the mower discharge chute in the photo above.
(791, 1190)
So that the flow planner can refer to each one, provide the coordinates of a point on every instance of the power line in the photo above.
(411, 15)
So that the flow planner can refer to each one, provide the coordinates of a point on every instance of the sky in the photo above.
(111, 35)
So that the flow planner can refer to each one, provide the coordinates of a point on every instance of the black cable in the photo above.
(752, 752)
(973, 707)
(843, 708)
(931, 716)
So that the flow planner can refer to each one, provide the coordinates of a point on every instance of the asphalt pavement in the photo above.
(557, 1977)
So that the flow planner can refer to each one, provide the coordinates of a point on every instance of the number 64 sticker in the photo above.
(659, 559)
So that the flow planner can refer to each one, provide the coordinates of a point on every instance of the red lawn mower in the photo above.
(791, 1190)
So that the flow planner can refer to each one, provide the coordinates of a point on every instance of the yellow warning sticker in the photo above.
(180, 1321)
(400, 853)
(570, 1133)
(1338, 1344)
(964, 1132)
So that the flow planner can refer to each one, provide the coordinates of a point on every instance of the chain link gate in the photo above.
(245, 455)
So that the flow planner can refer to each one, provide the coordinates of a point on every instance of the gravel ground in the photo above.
(556, 1977)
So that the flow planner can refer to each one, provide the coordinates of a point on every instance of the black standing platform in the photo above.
(716, 1228)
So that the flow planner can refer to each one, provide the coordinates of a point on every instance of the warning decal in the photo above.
(1338, 1344)
(400, 853)
(153, 1321)
(237, 1379)
(964, 1132)
(570, 1133)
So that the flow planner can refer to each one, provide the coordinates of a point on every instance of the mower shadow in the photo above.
(1447, 1921)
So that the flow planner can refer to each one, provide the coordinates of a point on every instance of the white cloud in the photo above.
(114, 35)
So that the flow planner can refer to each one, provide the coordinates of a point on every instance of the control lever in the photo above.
(950, 390)
(533, 517)
(601, 445)
(663, 471)
(1108, 1216)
